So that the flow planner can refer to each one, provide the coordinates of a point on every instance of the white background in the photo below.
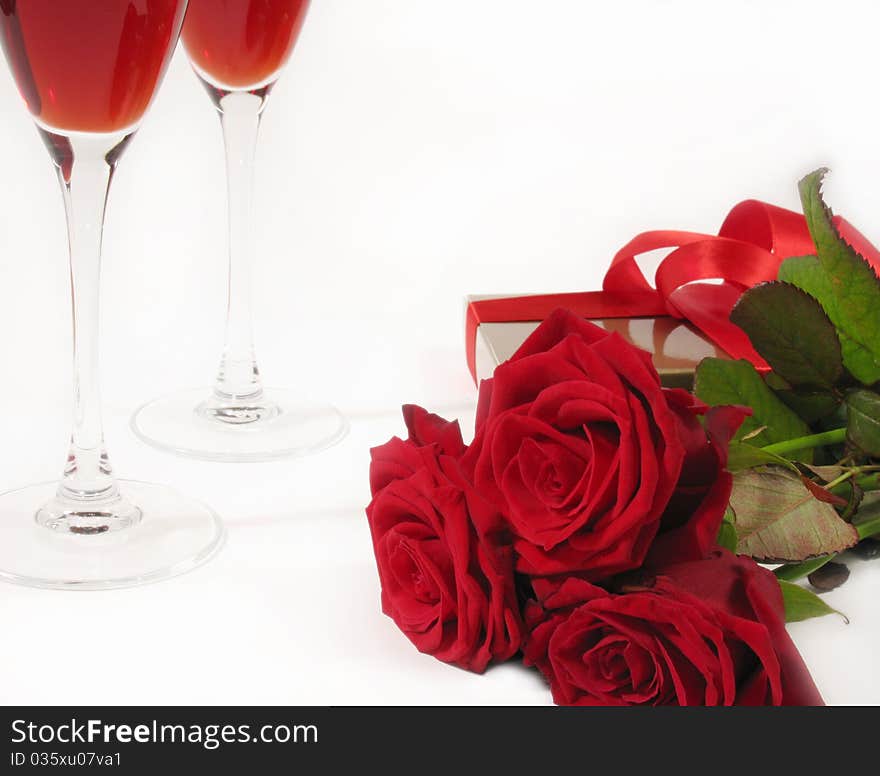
(414, 151)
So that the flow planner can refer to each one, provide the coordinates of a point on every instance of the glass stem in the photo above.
(239, 377)
(85, 167)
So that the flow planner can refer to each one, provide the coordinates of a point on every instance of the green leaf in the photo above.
(867, 519)
(720, 381)
(789, 328)
(809, 404)
(777, 519)
(863, 421)
(807, 274)
(802, 604)
(727, 532)
(849, 290)
(745, 456)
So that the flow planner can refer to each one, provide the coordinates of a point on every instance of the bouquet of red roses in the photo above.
(579, 529)
(607, 528)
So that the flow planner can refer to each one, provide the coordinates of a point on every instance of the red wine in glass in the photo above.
(87, 70)
(89, 66)
(242, 44)
(238, 48)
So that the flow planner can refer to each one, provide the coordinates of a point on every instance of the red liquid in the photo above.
(89, 65)
(241, 44)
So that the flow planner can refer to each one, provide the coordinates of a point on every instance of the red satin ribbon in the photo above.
(753, 241)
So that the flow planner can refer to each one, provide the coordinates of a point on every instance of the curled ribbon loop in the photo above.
(753, 241)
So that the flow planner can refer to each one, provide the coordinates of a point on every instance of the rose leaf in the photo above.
(809, 404)
(802, 604)
(849, 291)
(807, 274)
(721, 381)
(867, 519)
(863, 421)
(742, 455)
(779, 520)
(791, 331)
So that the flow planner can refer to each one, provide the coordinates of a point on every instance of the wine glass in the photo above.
(238, 49)
(88, 71)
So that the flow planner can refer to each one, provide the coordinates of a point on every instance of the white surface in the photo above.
(414, 152)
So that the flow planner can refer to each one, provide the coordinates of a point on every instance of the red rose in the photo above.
(445, 568)
(690, 523)
(582, 450)
(709, 632)
(398, 458)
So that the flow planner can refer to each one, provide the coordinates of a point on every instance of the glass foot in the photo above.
(68, 515)
(278, 424)
(156, 533)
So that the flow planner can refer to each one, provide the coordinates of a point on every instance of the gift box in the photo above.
(676, 346)
(680, 316)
